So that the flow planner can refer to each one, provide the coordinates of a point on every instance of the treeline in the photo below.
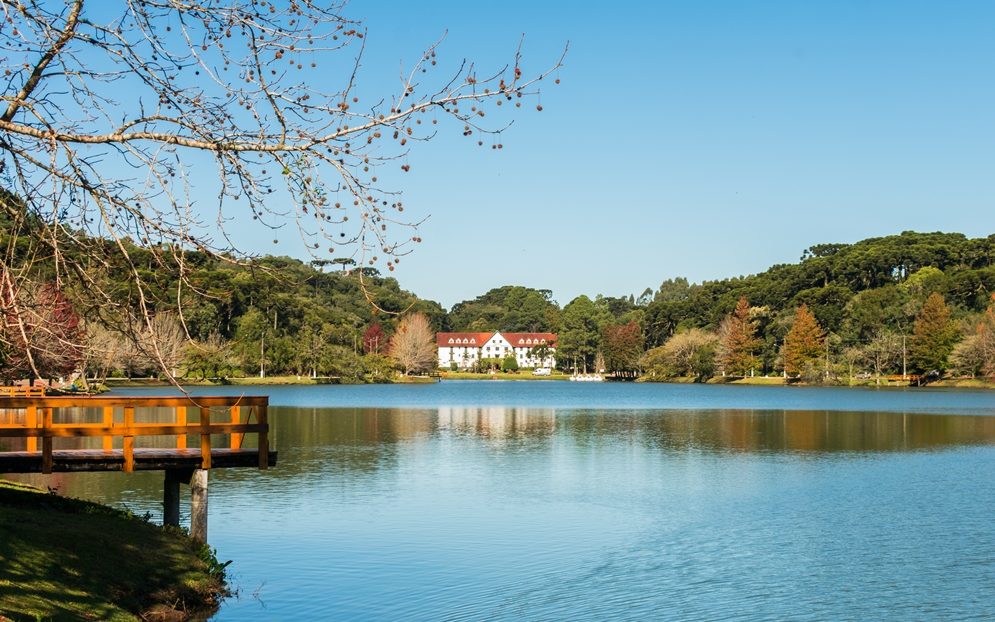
(855, 307)
(915, 302)
(272, 316)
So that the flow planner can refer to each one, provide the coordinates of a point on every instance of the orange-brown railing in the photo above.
(22, 391)
(40, 420)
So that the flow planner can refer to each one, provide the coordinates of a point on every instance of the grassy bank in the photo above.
(956, 383)
(466, 375)
(66, 559)
(196, 382)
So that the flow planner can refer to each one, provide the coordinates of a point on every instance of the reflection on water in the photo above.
(364, 439)
(514, 513)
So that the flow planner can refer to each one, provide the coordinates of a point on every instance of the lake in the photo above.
(488, 500)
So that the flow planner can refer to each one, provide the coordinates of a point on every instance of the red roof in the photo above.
(530, 340)
(477, 340)
(462, 340)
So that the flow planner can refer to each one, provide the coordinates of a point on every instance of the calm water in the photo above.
(566, 501)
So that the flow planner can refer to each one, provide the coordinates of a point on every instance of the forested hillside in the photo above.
(918, 301)
(863, 300)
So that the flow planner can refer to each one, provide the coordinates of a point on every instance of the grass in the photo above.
(525, 375)
(67, 559)
(246, 380)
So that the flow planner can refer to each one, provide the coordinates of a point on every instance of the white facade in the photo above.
(465, 349)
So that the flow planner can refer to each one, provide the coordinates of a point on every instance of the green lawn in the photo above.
(66, 559)
(522, 375)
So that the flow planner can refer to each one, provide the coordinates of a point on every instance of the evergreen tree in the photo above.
(933, 335)
(804, 344)
(580, 336)
(738, 341)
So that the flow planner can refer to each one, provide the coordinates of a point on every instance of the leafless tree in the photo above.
(114, 113)
(413, 344)
(164, 341)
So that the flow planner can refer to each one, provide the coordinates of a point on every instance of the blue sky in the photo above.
(697, 139)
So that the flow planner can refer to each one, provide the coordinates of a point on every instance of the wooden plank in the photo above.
(31, 421)
(146, 459)
(181, 419)
(98, 401)
(129, 440)
(108, 442)
(236, 438)
(46, 441)
(139, 429)
(205, 437)
(263, 438)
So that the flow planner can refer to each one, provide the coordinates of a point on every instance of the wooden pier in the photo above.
(112, 421)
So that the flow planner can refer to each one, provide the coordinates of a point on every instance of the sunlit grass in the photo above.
(66, 559)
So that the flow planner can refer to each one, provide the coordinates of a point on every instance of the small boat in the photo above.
(587, 378)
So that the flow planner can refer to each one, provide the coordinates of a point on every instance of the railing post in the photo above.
(181, 419)
(46, 441)
(263, 437)
(205, 437)
(108, 439)
(236, 418)
(129, 439)
(31, 421)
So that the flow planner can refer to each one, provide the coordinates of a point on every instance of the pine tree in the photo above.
(738, 341)
(933, 335)
(805, 342)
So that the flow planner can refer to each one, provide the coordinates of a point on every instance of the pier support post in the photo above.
(171, 499)
(198, 505)
(171, 494)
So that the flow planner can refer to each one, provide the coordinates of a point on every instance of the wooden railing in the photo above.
(117, 413)
(23, 391)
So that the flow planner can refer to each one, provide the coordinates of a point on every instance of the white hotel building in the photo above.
(465, 349)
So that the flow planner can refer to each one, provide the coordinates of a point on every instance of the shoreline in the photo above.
(56, 553)
(948, 383)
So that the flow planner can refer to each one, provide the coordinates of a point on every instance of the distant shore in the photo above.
(955, 383)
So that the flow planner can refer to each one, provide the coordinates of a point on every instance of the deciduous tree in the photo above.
(41, 333)
(738, 341)
(933, 335)
(622, 345)
(413, 345)
(115, 115)
(689, 353)
(882, 352)
(374, 339)
(804, 344)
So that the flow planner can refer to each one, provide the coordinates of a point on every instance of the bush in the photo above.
(509, 364)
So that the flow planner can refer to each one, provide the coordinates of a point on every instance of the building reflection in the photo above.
(357, 444)
(497, 422)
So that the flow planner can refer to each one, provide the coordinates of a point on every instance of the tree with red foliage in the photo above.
(622, 346)
(41, 334)
(374, 339)
(738, 341)
(804, 343)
